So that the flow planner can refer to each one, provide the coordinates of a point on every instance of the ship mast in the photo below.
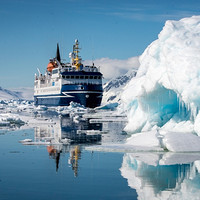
(76, 60)
(58, 54)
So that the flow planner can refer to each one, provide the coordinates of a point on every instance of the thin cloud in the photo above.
(112, 68)
(149, 11)
(154, 17)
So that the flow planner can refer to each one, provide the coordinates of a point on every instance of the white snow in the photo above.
(146, 139)
(181, 142)
(165, 92)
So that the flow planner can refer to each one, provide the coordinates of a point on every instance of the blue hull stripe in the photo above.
(82, 92)
(52, 97)
(87, 99)
(87, 95)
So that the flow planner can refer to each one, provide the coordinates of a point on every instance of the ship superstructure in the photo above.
(66, 82)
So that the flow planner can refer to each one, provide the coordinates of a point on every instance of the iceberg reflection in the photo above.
(154, 178)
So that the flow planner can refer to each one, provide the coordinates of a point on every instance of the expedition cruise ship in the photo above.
(66, 82)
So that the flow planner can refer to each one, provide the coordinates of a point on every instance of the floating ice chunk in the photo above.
(75, 105)
(41, 108)
(145, 139)
(36, 143)
(109, 106)
(25, 140)
(181, 142)
(171, 141)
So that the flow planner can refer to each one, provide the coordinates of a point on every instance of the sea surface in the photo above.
(44, 170)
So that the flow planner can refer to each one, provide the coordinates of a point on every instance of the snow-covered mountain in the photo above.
(8, 94)
(167, 86)
(113, 88)
(25, 92)
(20, 93)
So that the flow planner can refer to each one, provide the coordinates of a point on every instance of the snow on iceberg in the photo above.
(166, 89)
(162, 141)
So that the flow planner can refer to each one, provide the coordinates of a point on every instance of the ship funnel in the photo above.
(58, 54)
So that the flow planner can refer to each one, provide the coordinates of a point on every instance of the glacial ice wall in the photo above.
(166, 91)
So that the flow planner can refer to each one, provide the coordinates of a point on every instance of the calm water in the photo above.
(71, 172)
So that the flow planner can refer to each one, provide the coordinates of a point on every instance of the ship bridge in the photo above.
(82, 77)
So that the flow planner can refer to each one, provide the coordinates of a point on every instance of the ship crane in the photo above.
(76, 59)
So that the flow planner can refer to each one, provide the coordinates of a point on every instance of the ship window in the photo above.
(91, 77)
(81, 77)
(72, 77)
(63, 77)
(99, 77)
(67, 77)
(54, 71)
(86, 77)
(95, 77)
(77, 77)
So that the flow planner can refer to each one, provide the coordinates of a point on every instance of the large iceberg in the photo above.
(166, 90)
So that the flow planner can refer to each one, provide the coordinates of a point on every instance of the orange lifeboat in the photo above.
(51, 66)
(51, 150)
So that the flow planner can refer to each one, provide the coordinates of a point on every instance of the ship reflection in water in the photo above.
(67, 137)
(75, 155)
(163, 176)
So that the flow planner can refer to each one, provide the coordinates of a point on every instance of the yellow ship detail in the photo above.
(76, 59)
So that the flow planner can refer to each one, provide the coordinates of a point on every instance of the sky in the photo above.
(111, 32)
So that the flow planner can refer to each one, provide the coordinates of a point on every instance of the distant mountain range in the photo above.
(114, 87)
(19, 93)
